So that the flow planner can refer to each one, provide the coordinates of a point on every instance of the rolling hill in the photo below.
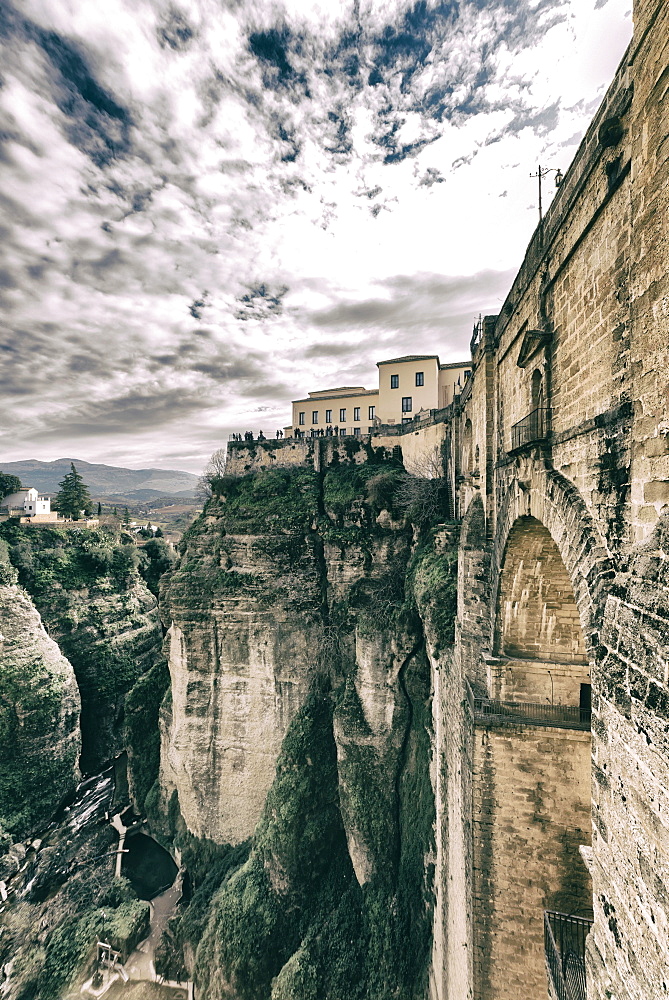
(104, 480)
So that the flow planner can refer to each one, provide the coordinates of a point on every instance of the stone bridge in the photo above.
(558, 452)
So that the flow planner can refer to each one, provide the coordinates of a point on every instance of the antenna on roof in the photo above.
(540, 174)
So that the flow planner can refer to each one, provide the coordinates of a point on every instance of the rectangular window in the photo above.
(342, 431)
(356, 413)
(300, 418)
(394, 381)
(406, 420)
(356, 431)
(342, 415)
(407, 404)
(328, 416)
(314, 416)
(372, 412)
(468, 372)
(420, 378)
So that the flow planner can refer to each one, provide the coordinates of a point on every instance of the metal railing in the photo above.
(560, 716)
(534, 427)
(564, 947)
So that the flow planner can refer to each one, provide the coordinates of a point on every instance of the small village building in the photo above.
(408, 386)
(29, 505)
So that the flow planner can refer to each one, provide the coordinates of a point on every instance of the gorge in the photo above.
(405, 734)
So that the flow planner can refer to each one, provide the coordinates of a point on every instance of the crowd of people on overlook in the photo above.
(298, 433)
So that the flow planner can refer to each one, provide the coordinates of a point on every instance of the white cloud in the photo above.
(291, 175)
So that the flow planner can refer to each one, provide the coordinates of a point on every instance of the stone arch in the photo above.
(536, 615)
(546, 495)
(539, 646)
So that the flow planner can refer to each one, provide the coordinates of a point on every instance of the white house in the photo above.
(30, 503)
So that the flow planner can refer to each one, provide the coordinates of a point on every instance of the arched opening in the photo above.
(537, 390)
(467, 448)
(538, 637)
(531, 776)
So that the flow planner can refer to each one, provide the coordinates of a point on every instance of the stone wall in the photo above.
(531, 812)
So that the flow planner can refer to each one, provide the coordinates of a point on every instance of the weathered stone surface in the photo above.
(39, 716)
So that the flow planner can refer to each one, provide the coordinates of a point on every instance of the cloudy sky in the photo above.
(209, 207)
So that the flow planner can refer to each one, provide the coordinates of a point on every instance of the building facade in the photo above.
(29, 504)
(408, 386)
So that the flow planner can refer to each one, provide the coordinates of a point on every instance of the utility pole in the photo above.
(540, 174)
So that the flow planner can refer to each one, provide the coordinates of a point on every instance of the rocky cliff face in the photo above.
(39, 715)
(93, 602)
(300, 718)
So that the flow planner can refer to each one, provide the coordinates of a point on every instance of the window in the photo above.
(300, 418)
(356, 413)
(372, 412)
(356, 431)
(342, 432)
(342, 415)
(314, 416)
(407, 404)
(394, 381)
(468, 372)
(328, 416)
(420, 378)
(406, 420)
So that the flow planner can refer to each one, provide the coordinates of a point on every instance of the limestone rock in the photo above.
(39, 716)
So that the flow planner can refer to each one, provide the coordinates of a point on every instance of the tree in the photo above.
(126, 518)
(73, 497)
(423, 493)
(99, 508)
(8, 484)
(214, 471)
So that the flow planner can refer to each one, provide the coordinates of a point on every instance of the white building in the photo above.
(29, 503)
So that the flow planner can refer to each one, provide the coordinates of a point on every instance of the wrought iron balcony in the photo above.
(531, 429)
(564, 945)
(558, 716)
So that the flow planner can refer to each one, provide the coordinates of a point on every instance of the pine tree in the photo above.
(126, 518)
(73, 497)
(99, 508)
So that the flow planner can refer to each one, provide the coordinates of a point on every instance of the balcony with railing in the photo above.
(532, 429)
(564, 946)
(555, 716)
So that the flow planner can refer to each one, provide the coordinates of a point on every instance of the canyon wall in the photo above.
(300, 721)
(39, 714)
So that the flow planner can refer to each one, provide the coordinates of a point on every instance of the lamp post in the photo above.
(540, 174)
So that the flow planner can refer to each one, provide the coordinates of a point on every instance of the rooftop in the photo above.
(410, 357)
(326, 394)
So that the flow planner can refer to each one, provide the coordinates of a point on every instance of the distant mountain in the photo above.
(103, 480)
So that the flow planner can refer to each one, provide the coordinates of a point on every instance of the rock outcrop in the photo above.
(86, 586)
(39, 717)
(300, 718)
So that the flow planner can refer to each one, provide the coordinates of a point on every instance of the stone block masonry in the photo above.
(531, 811)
